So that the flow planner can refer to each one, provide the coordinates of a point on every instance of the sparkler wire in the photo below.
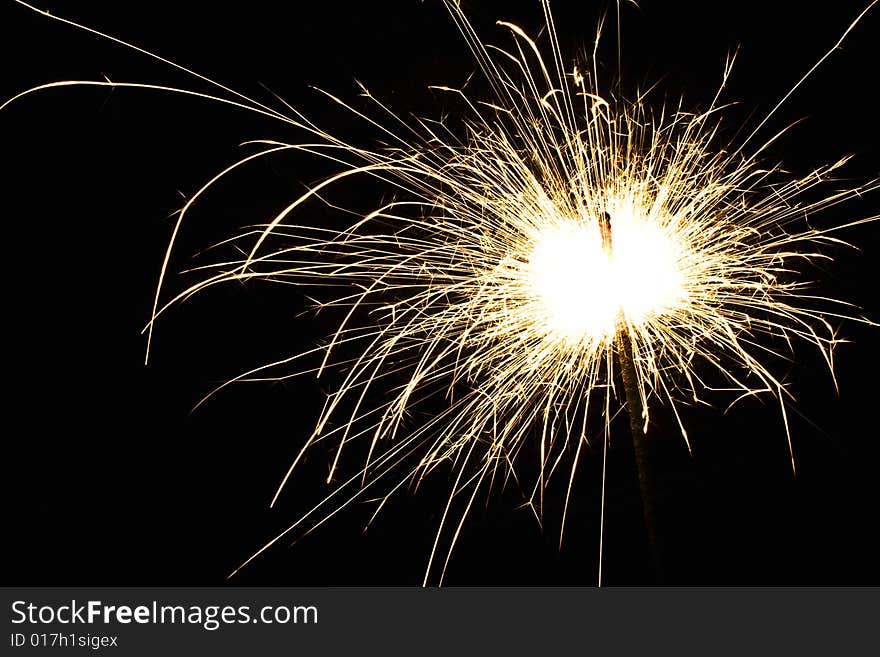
(635, 414)
(641, 448)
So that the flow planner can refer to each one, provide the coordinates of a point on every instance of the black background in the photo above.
(112, 480)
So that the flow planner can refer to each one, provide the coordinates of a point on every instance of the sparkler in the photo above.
(557, 234)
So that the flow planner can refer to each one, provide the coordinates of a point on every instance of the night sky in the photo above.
(114, 481)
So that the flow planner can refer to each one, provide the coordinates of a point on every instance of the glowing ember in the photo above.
(583, 288)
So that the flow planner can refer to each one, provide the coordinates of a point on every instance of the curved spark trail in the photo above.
(487, 282)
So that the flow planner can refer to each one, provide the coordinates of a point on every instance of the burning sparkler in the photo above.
(560, 234)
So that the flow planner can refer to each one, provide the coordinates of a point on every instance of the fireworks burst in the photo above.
(557, 233)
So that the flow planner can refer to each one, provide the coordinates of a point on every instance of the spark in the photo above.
(554, 224)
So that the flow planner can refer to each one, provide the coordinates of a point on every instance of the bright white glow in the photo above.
(581, 290)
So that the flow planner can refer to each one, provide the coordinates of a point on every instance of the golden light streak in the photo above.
(484, 281)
